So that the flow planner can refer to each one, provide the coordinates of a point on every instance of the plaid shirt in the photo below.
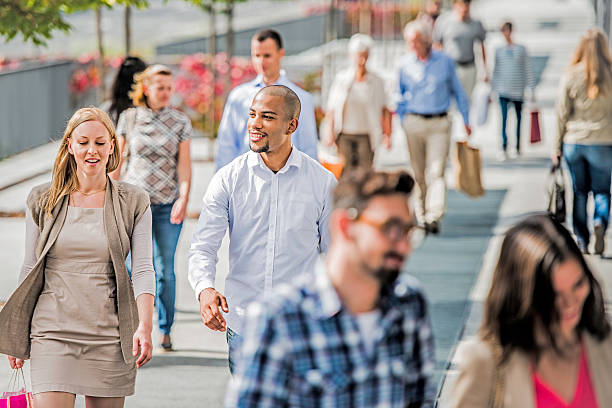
(302, 348)
(153, 151)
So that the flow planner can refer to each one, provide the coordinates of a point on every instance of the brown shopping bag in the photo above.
(468, 165)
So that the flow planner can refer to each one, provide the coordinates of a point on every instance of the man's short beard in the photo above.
(386, 276)
(263, 149)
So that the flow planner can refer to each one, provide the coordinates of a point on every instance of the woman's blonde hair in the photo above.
(144, 78)
(64, 180)
(594, 52)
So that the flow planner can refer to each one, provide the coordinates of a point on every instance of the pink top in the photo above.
(584, 395)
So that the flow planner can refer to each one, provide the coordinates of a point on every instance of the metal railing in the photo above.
(34, 106)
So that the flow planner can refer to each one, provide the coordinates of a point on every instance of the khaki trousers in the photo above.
(428, 145)
(467, 77)
(356, 151)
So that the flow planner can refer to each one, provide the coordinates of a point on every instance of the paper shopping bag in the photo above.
(16, 396)
(468, 165)
(535, 136)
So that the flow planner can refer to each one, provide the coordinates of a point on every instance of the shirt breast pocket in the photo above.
(302, 213)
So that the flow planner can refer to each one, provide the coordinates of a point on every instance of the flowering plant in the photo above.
(201, 90)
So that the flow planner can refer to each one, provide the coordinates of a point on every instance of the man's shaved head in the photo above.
(291, 101)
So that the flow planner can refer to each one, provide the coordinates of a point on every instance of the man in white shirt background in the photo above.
(267, 53)
(276, 202)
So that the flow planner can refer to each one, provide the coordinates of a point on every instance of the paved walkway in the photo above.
(454, 268)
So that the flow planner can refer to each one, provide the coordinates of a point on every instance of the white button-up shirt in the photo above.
(278, 225)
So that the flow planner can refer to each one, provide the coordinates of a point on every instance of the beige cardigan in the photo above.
(124, 205)
(474, 385)
(581, 120)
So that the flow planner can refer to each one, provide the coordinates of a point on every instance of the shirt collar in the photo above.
(151, 112)
(282, 80)
(294, 160)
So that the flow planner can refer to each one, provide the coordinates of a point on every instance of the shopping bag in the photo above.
(468, 165)
(331, 161)
(16, 396)
(556, 194)
(535, 136)
(481, 100)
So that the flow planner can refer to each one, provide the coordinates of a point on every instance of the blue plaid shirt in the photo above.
(302, 348)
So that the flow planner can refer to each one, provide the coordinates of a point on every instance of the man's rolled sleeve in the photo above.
(262, 372)
(324, 233)
(211, 228)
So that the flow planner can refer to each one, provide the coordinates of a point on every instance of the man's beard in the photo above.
(387, 276)
(263, 149)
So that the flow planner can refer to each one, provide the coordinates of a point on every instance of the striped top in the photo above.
(512, 72)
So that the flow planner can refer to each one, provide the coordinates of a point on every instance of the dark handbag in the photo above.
(556, 194)
(535, 136)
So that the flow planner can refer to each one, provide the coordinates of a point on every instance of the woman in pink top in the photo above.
(545, 341)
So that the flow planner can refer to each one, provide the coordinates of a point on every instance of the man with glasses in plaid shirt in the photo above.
(357, 336)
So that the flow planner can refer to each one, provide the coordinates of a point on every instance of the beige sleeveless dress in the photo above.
(75, 327)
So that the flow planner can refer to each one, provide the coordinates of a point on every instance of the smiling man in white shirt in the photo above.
(276, 202)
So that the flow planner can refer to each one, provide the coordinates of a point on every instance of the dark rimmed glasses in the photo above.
(395, 229)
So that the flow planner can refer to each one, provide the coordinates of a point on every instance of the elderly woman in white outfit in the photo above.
(357, 109)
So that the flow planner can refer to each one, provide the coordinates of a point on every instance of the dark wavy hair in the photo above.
(122, 86)
(522, 297)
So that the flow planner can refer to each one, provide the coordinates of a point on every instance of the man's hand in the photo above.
(468, 130)
(210, 301)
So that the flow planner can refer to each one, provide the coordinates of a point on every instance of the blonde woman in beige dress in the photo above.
(76, 314)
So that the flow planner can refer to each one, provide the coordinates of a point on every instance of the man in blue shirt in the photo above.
(427, 80)
(232, 138)
(357, 335)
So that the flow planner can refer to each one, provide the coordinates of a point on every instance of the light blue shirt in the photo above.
(233, 138)
(426, 87)
(278, 225)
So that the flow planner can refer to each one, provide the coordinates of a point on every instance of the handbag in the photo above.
(556, 194)
(17, 396)
(469, 166)
(535, 136)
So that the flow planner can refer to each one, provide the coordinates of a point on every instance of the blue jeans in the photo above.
(590, 167)
(165, 239)
(518, 108)
(233, 342)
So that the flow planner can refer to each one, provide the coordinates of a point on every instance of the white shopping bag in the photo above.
(480, 107)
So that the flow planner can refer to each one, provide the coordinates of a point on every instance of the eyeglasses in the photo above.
(395, 230)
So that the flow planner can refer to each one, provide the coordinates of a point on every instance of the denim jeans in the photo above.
(165, 239)
(590, 167)
(518, 108)
(233, 342)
